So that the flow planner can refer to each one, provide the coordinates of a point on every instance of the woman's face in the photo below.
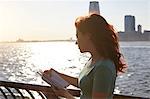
(82, 41)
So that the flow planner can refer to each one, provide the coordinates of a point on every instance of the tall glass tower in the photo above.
(94, 7)
(129, 23)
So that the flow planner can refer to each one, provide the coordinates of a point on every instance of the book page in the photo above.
(55, 80)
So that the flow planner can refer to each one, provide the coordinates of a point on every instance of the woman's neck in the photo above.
(96, 57)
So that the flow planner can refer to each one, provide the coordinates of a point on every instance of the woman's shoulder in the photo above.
(105, 65)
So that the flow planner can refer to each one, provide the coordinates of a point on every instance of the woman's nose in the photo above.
(76, 42)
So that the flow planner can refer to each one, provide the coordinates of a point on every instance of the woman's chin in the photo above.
(81, 51)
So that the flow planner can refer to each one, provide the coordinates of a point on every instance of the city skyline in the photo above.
(132, 34)
(54, 20)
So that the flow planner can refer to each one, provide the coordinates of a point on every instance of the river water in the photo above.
(20, 61)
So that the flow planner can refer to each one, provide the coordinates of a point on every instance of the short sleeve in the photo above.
(102, 80)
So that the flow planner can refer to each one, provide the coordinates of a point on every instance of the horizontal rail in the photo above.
(48, 92)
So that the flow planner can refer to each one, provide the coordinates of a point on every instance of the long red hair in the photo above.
(103, 37)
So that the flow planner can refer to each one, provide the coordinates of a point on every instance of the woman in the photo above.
(97, 79)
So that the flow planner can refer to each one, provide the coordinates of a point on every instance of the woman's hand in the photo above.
(62, 92)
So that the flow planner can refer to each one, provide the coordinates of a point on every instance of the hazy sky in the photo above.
(54, 19)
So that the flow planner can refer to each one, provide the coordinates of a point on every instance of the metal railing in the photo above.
(15, 90)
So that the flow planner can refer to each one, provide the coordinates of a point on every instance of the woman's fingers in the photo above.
(58, 92)
(61, 91)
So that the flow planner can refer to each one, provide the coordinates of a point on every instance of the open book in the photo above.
(54, 79)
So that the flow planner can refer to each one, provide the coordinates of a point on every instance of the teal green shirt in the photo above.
(99, 77)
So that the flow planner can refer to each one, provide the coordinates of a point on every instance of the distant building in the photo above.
(94, 7)
(20, 40)
(130, 34)
(139, 28)
(129, 23)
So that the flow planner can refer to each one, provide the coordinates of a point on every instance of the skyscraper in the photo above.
(94, 7)
(129, 23)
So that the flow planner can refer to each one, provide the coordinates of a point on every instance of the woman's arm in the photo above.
(103, 83)
(62, 93)
(98, 95)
